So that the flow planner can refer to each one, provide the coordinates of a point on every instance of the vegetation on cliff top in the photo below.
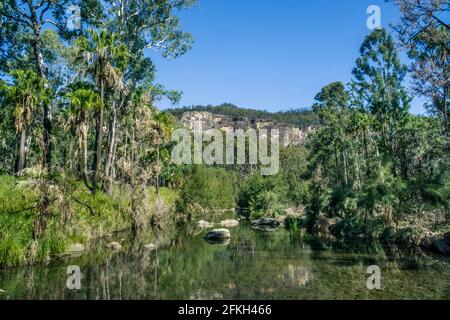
(298, 117)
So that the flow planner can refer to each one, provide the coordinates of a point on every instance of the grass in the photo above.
(71, 223)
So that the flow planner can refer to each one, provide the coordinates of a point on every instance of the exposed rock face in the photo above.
(289, 134)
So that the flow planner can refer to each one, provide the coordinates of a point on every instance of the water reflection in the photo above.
(252, 265)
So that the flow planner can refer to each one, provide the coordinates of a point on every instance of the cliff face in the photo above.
(289, 135)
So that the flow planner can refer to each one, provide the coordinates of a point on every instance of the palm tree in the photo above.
(26, 94)
(102, 56)
(82, 102)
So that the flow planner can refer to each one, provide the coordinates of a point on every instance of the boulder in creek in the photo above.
(75, 248)
(205, 224)
(114, 245)
(218, 235)
(151, 247)
(229, 223)
(265, 224)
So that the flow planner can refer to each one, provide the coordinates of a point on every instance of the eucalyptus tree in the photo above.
(103, 57)
(26, 94)
(378, 81)
(164, 125)
(22, 26)
(423, 31)
(332, 108)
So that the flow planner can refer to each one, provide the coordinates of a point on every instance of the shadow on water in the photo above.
(251, 265)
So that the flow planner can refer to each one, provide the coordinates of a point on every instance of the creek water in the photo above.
(253, 265)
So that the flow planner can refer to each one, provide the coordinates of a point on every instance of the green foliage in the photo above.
(371, 164)
(409, 236)
(211, 188)
(262, 196)
(82, 219)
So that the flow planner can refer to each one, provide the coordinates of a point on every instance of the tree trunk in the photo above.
(20, 160)
(344, 156)
(41, 70)
(84, 133)
(107, 179)
(112, 169)
(98, 141)
(158, 169)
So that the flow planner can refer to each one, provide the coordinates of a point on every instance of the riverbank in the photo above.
(76, 217)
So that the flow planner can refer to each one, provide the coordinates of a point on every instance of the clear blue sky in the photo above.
(269, 54)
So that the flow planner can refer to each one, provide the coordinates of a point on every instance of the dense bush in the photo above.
(208, 187)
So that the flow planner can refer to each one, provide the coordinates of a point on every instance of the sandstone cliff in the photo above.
(289, 134)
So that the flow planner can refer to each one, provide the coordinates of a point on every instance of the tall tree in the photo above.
(103, 57)
(22, 27)
(82, 102)
(378, 81)
(26, 94)
(424, 32)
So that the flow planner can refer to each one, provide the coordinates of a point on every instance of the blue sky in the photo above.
(269, 54)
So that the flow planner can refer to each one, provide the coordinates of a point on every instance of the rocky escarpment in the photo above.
(289, 134)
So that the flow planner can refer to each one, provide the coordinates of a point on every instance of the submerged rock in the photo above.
(218, 235)
(205, 224)
(75, 248)
(114, 245)
(265, 224)
(229, 223)
(222, 242)
(151, 247)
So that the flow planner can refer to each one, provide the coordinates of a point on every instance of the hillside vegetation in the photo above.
(298, 117)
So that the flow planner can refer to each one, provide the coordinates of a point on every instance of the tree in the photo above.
(423, 32)
(82, 102)
(26, 94)
(103, 57)
(378, 78)
(332, 109)
(22, 28)
(164, 126)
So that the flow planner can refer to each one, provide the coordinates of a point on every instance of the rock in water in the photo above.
(265, 224)
(229, 223)
(76, 247)
(114, 246)
(205, 224)
(218, 235)
(151, 247)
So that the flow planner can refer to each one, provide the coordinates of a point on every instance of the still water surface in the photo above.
(254, 265)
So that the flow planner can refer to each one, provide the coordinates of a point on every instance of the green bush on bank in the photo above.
(208, 188)
(73, 222)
